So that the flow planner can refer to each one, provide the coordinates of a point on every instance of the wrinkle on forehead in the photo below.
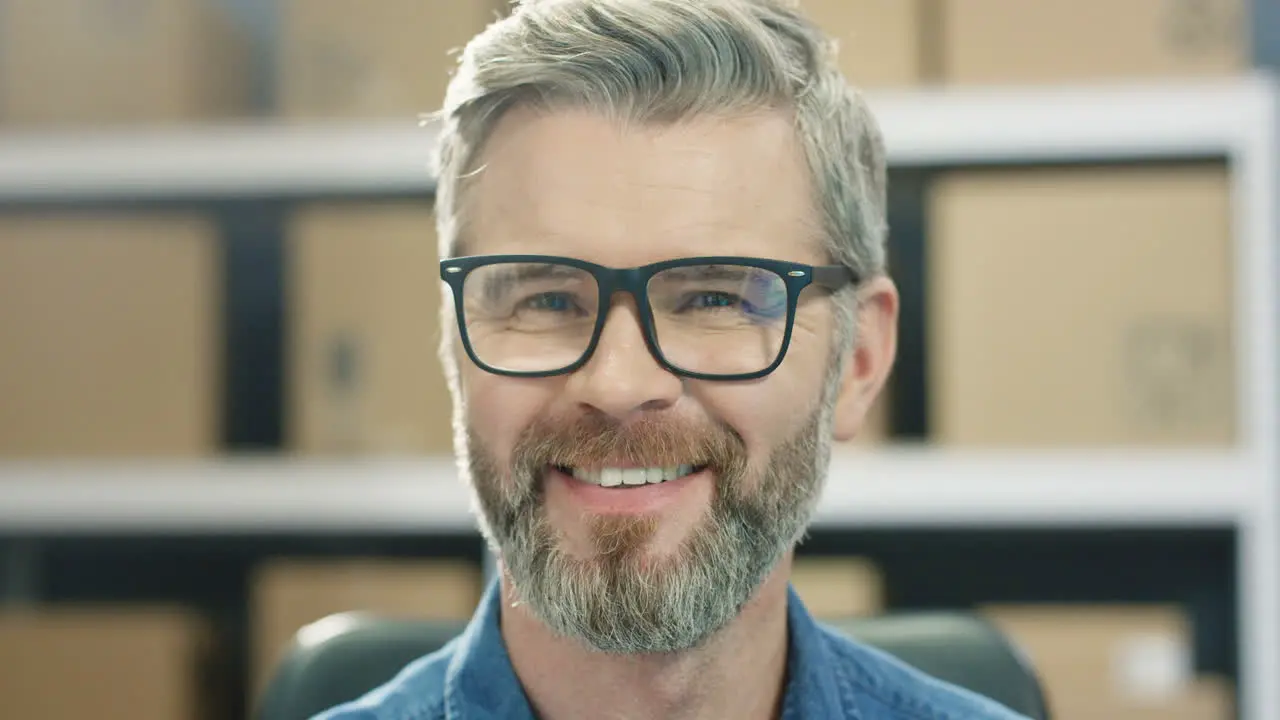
(573, 183)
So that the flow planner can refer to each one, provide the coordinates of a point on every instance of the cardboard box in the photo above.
(391, 58)
(1133, 652)
(1081, 307)
(110, 325)
(289, 594)
(364, 297)
(144, 663)
(113, 62)
(1204, 698)
(835, 588)
(880, 42)
(1065, 41)
(1114, 662)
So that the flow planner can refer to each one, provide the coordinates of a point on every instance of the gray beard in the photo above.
(619, 600)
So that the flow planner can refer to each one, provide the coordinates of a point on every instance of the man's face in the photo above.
(656, 567)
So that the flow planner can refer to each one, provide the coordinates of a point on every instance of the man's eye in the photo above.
(548, 301)
(711, 300)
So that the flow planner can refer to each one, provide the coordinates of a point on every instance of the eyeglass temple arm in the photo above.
(834, 277)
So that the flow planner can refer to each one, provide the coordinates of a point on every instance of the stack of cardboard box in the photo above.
(1088, 306)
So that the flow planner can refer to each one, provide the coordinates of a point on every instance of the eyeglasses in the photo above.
(710, 318)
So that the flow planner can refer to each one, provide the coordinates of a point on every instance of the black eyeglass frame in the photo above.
(635, 281)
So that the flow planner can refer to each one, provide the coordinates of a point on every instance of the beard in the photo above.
(621, 599)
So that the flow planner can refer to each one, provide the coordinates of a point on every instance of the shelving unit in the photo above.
(1237, 487)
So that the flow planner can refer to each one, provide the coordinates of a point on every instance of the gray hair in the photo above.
(655, 61)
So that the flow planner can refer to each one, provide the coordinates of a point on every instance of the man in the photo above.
(663, 224)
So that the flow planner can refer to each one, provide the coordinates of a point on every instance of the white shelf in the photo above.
(922, 127)
(1095, 122)
(247, 159)
(867, 489)
(1037, 489)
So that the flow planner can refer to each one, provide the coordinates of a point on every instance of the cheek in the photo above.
(771, 410)
(498, 409)
(808, 358)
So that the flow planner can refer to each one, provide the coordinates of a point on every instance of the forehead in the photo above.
(571, 182)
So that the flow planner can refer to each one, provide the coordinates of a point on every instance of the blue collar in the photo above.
(481, 684)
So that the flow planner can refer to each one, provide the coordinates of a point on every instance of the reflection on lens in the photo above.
(529, 317)
(719, 319)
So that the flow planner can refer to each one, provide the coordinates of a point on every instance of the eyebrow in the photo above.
(494, 284)
(706, 272)
(534, 271)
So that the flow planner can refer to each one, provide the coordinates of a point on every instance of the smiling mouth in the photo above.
(613, 477)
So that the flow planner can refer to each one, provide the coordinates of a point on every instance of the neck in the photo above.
(738, 673)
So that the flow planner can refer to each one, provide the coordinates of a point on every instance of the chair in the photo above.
(344, 656)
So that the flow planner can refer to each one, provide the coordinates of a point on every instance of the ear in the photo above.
(873, 355)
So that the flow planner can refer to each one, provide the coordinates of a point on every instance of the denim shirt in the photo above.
(831, 678)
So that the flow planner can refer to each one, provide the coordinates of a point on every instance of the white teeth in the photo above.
(614, 477)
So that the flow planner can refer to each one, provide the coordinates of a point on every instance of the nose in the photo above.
(622, 378)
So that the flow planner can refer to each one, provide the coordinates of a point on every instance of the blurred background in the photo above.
(222, 418)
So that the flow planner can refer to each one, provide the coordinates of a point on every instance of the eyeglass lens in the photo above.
(709, 319)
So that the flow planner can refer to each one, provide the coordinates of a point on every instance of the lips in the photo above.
(566, 492)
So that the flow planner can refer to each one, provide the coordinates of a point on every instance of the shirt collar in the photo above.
(813, 687)
(481, 682)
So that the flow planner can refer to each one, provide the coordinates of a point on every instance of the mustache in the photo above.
(593, 439)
